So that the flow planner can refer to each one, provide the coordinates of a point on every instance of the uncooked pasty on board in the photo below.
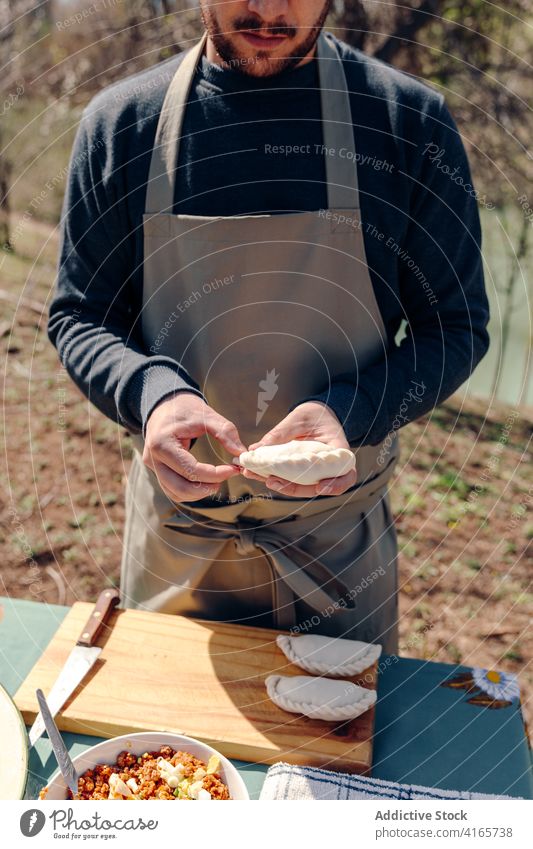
(332, 656)
(319, 698)
(302, 461)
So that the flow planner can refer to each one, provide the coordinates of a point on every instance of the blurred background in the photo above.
(463, 492)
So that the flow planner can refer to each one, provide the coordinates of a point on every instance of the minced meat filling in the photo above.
(164, 774)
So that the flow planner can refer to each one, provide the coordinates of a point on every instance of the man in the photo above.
(246, 227)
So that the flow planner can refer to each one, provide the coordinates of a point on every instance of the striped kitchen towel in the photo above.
(284, 781)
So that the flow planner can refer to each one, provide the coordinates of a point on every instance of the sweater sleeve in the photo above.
(94, 321)
(442, 293)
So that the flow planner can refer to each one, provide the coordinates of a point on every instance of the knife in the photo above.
(67, 768)
(81, 659)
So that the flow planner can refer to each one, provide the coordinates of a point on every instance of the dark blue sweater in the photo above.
(421, 227)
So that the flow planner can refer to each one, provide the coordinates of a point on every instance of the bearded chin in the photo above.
(262, 64)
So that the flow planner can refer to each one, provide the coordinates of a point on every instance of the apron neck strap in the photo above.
(165, 152)
(337, 131)
(337, 127)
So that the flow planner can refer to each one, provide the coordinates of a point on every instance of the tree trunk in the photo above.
(519, 254)
(354, 23)
(5, 170)
(408, 23)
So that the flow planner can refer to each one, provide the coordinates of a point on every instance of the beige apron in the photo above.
(262, 310)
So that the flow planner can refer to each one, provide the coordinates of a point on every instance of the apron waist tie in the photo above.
(306, 577)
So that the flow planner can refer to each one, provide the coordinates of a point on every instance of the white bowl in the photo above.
(108, 751)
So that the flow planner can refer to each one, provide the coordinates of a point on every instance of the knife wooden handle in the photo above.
(106, 603)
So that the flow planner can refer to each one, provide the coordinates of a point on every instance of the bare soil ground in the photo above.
(462, 495)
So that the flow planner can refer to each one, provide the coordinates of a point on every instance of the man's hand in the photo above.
(171, 427)
(311, 420)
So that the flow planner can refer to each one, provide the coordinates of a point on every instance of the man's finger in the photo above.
(225, 432)
(283, 432)
(184, 464)
(327, 486)
(336, 486)
(295, 490)
(178, 488)
(247, 474)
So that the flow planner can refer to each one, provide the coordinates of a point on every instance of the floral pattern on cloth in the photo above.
(487, 687)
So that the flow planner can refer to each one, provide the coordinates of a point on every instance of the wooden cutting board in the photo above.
(204, 679)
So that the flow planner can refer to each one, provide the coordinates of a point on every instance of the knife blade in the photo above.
(80, 660)
(64, 761)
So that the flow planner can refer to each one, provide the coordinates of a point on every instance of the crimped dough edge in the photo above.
(337, 713)
(345, 670)
(313, 458)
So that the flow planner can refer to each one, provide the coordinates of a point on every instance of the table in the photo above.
(425, 733)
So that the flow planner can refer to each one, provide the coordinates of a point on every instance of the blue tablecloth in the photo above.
(425, 733)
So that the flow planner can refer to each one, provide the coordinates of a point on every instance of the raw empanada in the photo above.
(328, 655)
(319, 698)
(302, 461)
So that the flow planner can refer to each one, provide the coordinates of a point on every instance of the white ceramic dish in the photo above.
(108, 751)
(13, 749)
